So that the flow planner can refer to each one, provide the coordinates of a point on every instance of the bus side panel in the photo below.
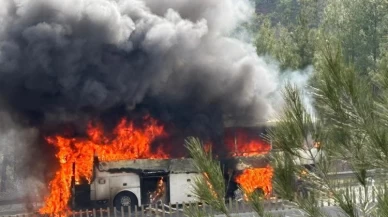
(181, 187)
(102, 188)
(125, 182)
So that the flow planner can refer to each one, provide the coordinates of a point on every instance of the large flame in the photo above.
(248, 142)
(243, 142)
(129, 142)
(256, 178)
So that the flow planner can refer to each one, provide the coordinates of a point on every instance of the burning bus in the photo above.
(127, 169)
(131, 183)
(126, 166)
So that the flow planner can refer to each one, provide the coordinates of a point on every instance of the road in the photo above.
(12, 209)
(16, 206)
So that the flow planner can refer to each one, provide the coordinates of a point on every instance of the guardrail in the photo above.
(161, 210)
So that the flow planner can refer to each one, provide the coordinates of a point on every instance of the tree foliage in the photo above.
(346, 42)
(361, 27)
(290, 29)
(210, 187)
(288, 32)
(349, 122)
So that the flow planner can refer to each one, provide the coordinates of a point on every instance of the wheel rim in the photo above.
(125, 201)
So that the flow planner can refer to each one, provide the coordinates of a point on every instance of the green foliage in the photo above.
(292, 134)
(346, 42)
(288, 33)
(278, 42)
(350, 110)
(360, 26)
(309, 205)
(382, 205)
(255, 199)
(210, 188)
(284, 175)
(289, 30)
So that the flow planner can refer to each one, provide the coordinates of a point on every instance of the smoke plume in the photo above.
(61, 61)
(72, 61)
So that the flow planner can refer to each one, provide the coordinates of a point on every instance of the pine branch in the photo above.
(210, 188)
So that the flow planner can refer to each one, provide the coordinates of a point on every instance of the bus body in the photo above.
(132, 183)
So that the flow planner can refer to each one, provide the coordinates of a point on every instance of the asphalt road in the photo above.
(16, 207)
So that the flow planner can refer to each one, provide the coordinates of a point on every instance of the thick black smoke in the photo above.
(71, 61)
(62, 61)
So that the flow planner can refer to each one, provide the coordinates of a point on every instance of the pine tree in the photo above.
(349, 123)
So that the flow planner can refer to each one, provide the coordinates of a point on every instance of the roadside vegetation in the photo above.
(346, 42)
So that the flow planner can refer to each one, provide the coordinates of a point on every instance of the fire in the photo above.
(159, 192)
(256, 178)
(128, 142)
(242, 142)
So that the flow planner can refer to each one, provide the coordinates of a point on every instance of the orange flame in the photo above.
(256, 178)
(129, 142)
(245, 143)
(159, 192)
(126, 142)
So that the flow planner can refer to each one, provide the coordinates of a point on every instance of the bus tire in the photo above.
(125, 199)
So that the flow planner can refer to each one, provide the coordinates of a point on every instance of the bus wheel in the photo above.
(126, 200)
